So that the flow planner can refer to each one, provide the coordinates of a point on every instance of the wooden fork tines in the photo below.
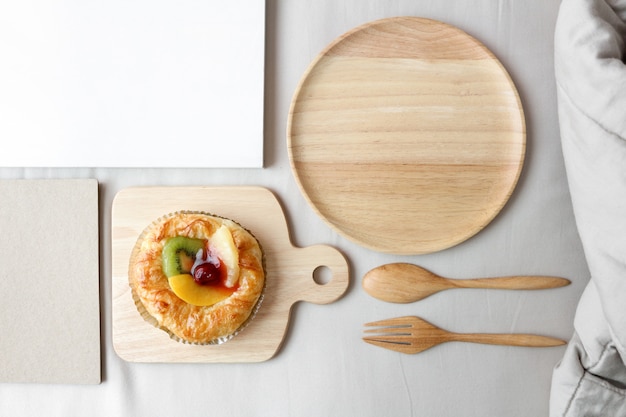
(413, 335)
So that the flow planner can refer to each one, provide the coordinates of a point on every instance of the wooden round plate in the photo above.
(406, 135)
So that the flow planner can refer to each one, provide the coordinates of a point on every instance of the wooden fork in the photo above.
(413, 335)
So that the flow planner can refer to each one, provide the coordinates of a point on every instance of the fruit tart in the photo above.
(199, 277)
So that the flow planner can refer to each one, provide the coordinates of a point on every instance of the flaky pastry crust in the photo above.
(190, 323)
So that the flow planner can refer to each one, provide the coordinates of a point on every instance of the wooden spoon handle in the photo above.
(518, 339)
(512, 283)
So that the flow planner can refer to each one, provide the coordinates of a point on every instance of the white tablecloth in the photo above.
(323, 367)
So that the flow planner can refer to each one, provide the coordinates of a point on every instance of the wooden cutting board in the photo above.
(291, 275)
(406, 135)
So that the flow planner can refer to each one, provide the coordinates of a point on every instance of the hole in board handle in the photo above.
(322, 275)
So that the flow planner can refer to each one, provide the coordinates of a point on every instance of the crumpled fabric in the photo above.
(590, 72)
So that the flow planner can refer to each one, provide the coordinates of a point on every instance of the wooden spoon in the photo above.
(406, 283)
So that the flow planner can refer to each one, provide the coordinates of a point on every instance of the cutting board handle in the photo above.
(321, 273)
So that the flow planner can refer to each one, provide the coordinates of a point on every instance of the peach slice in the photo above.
(188, 290)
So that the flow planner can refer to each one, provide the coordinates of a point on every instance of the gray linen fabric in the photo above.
(590, 72)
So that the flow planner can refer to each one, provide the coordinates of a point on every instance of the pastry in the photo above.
(197, 276)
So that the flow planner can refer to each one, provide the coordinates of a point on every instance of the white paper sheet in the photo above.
(147, 83)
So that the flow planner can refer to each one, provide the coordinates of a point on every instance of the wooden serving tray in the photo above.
(406, 135)
(290, 272)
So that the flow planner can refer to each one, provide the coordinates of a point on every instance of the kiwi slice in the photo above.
(179, 253)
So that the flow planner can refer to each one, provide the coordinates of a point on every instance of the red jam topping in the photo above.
(208, 269)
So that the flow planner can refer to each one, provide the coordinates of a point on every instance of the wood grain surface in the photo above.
(406, 135)
(290, 272)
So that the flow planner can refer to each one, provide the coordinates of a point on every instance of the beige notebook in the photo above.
(49, 282)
